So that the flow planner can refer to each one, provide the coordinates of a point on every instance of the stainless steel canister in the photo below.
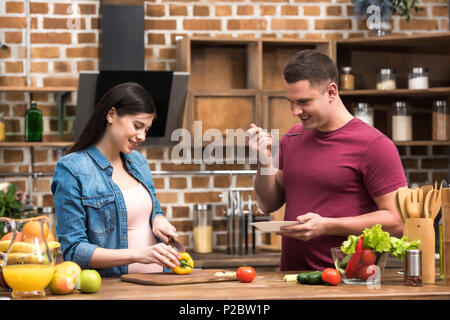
(413, 268)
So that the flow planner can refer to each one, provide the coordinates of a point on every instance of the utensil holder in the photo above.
(423, 229)
(446, 233)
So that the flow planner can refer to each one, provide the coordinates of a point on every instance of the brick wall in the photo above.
(62, 45)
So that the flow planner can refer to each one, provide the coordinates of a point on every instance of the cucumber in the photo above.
(315, 278)
(303, 277)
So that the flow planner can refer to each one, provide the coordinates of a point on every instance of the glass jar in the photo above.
(364, 111)
(418, 78)
(386, 79)
(2, 127)
(203, 228)
(347, 80)
(401, 121)
(441, 120)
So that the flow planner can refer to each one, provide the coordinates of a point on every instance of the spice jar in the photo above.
(441, 120)
(2, 127)
(413, 268)
(202, 228)
(364, 111)
(386, 79)
(401, 121)
(418, 78)
(347, 80)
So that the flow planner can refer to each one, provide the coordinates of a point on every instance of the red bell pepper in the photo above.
(353, 264)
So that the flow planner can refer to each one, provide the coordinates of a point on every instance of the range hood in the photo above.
(123, 60)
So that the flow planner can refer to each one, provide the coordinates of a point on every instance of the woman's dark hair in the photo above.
(126, 98)
(311, 65)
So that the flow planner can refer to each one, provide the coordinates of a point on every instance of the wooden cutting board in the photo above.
(168, 278)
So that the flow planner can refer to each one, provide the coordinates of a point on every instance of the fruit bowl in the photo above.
(363, 267)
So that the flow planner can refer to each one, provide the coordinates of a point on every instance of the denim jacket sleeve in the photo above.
(71, 226)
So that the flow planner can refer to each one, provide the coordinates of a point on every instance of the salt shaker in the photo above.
(413, 268)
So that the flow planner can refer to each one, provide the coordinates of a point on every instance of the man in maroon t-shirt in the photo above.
(336, 174)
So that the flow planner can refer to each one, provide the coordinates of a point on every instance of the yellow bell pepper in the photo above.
(186, 264)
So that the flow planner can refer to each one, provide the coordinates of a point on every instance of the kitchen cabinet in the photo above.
(367, 55)
(234, 82)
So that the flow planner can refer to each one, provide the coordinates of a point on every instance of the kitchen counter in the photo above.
(266, 286)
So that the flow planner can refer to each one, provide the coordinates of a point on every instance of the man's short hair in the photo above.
(311, 65)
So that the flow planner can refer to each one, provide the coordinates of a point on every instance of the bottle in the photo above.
(386, 79)
(441, 250)
(441, 120)
(33, 123)
(2, 127)
(401, 121)
(203, 228)
(364, 111)
(418, 78)
(347, 80)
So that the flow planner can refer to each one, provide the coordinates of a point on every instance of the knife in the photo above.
(176, 244)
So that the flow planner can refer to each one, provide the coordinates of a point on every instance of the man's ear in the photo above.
(332, 91)
(110, 115)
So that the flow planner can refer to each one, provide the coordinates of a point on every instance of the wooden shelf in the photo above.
(22, 144)
(422, 143)
(37, 89)
(398, 92)
(431, 39)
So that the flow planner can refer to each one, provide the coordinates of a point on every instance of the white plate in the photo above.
(271, 226)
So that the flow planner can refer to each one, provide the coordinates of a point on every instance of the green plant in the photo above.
(13, 202)
(404, 8)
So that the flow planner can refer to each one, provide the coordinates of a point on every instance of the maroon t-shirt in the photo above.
(334, 174)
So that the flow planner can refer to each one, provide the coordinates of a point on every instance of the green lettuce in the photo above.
(380, 241)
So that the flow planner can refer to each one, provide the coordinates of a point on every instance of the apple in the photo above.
(89, 281)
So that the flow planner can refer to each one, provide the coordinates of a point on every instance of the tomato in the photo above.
(367, 271)
(245, 274)
(368, 257)
(331, 276)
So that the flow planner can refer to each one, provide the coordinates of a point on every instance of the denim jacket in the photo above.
(90, 208)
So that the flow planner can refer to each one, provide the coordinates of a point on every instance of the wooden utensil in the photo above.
(427, 204)
(167, 278)
(397, 206)
(414, 203)
(446, 232)
(423, 229)
(426, 189)
(436, 203)
(403, 193)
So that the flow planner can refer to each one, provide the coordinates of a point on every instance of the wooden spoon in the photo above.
(397, 206)
(414, 204)
(427, 204)
(403, 193)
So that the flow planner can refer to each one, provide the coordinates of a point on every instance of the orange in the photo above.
(9, 235)
(32, 229)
